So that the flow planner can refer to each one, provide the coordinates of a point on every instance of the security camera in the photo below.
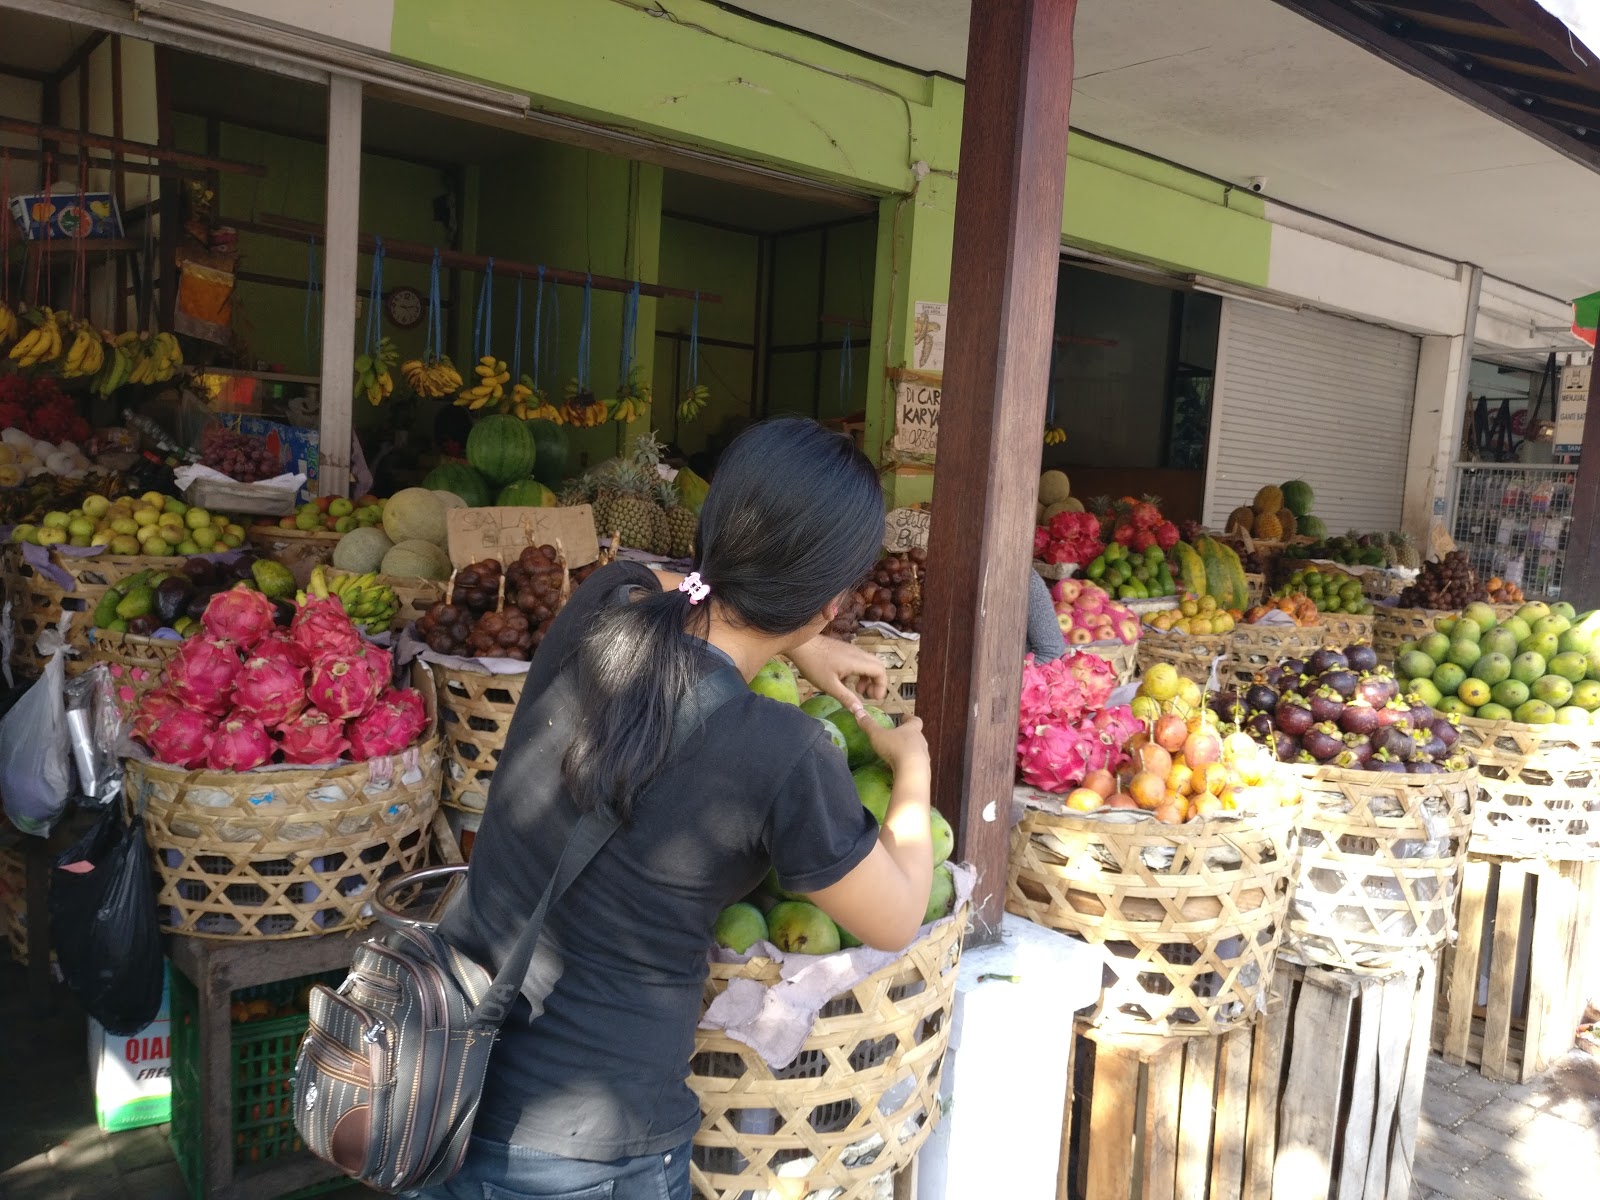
(1258, 183)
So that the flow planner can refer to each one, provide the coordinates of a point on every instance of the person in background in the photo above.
(1045, 641)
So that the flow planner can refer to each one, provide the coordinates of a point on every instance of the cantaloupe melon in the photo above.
(414, 514)
(362, 550)
(1070, 504)
(1054, 487)
(450, 499)
(417, 559)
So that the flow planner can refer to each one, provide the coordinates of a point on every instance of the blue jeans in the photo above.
(496, 1171)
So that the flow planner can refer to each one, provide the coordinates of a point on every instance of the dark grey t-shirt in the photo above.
(600, 1074)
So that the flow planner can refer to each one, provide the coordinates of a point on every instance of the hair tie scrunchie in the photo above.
(697, 588)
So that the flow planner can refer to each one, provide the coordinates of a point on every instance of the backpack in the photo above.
(393, 1062)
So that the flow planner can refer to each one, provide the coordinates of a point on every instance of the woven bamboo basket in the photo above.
(858, 1102)
(1190, 916)
(1392, 627)
(41, 602)
(1254, 648)
(134, 663)
(415, 596)
(298, 549)
(1123, 658)
(1191, 654)
(1345, 629)
(1540, 789)
(284, 853)
(475, 711)
(1255, 587)
(1380, 864)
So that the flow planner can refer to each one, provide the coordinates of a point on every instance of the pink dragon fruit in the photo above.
(240, 744)
(155, 707)
(346, 685)
(279, 645)
(312, 738)
(321, 628)
(270, 689)
(1054, 758)
(1094, 675)
(203, 672)
(182, 738)
(240, 615)
(388, 726)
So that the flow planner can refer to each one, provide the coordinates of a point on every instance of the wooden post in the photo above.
(1002, 315)
(339, 257)
(1581, 585)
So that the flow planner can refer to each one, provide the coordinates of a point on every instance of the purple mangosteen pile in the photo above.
(1340, 708)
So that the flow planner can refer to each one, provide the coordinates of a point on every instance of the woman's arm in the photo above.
(841, 670)
(1045, 642)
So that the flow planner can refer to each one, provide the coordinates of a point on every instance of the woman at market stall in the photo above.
(1045, 640)
(586, 1094)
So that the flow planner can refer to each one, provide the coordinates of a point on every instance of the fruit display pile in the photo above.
(1210, 568)
(1361, 550)
(1070, 536)
(23, 458)
(247, 458)
(333, 514)
(1539, 667)
(152, 524)
(148, 601)
(1196, 617)
(892, 595)
(1503, 592)
(633, 501)
(1329, 591)
(1088, 614)
(1135, 524)
(1132, 575)
(34, 409)
(1279, 513)
(1066, 730)
(403, 536)
(1447, 583)
(509, 461)
(786, 920)
(1296, 605)
(257, 689)
(476, 622)
(372, 605)
(1342, 708)
(74, 349)
(1055, 496)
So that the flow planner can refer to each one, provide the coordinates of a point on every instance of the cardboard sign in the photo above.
(479, 533)
(928, 331)
(916, 416)
(1572, 407)
(906, 529)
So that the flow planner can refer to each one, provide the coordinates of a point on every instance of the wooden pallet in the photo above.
(1529, 925)
(1261, 1113)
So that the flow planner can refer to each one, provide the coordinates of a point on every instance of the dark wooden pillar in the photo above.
(1580, 585)
(997, 359)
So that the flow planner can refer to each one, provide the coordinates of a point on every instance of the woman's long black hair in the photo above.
(793, 520)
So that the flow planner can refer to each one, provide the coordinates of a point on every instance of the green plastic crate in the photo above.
(262, 1099)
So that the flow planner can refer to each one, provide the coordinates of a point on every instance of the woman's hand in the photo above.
(904, 747)
(841, 670)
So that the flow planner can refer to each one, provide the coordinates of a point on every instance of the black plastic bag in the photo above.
(106, 932)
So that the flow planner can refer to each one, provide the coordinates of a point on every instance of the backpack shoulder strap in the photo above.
(593, 830)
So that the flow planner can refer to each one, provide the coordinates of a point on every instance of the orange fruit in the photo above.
(1203, 748)
(1121, 800)
(1179, 778)
(1084, 799)
(1147, 789)
(1102, 782)
(1217, 778)
(1207, 806)
(1152, 758)
(1169, 814)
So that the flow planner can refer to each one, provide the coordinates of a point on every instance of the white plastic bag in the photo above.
(35, 759)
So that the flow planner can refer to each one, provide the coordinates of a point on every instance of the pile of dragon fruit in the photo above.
(246, 692)
(1340, 708)
(1070, 537)
(1065, 729)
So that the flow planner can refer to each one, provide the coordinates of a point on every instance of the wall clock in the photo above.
(404, 307)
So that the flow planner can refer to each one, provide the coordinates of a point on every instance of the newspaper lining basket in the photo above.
(1392, 627)
(1190, 916)
(858, 1102)
(1123, 658)
(1256, 647)
(1192, 654)
(475, 711)
(1540, 793)
(134, 664)
(1381, 856)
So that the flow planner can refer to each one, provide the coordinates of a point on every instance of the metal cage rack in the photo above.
(1513, 519)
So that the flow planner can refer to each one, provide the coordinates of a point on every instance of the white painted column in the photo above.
(339, 259)
(1444, 368)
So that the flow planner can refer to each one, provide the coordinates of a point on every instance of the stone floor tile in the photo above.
(1503, 1116)
(1445, 1106)
(1478, 1088)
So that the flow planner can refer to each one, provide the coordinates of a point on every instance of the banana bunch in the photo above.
(42, 343)
(120, 360)
(155, 356)
(86, 355)
(1054, 435)
(10, 326)
(364, 600)
(546, 411)
(373, 379)
(584, 410)
(490, 387)
(634, 398)
(519, 401)
(433, 379)
(694, 403)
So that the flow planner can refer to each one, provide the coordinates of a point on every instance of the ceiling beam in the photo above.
(1449, 10)
(1473, 47)
(79, 56)
(1547, 31)
(25, 73)
(1538, 87)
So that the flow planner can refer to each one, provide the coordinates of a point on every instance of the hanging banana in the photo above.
(694, 402)
(490, 384)
(86, 355)
(373, 379)
(1054, 435)
(42, 344)
(432, 378)
(10, 326)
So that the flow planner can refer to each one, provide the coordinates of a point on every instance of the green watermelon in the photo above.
(1298, 497)
(460, 479)
(501, 448)
(551, 452)
(1312, 527)
(525, 493)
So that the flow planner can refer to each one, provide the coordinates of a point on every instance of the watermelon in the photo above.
(1298, 497)
(551, 451)
(460, 479)
(501, 449)
(525, 493)
(1312, 527)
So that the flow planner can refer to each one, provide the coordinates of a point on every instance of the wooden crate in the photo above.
(1530, 926)
(1320, 1098)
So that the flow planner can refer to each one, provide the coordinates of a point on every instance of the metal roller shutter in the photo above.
(1306, 395)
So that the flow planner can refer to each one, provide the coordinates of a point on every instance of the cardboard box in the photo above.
(297, 448)
(59, 215)
(132, 1076)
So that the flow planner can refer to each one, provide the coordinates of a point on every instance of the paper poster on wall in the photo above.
(916, 415)
(1572, 405)
(906, 529)
(928, 332)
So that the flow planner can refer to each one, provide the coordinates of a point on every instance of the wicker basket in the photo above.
(1540, 789)
(1191, 654)
(1123, 658)
(475, 711)
(134, 663)
(1255, 587)
(1393, 627)
(1254, 648)
(297, 549)
(1345, 629)
(1190, 916)
(858, 1102)
(415, 596)
(41, 602)
(284, 853)
(899, 657)
(1380, 864)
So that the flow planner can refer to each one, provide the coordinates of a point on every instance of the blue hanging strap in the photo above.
(583, 338)
(516, 341)
(375, 298)
(553, 337)
(434, 348)
(312, 332)
(694, 345)
(538, 326)
(630, 322)
(483, 324)
(846, 371)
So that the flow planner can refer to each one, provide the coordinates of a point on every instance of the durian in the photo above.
(1268, 527)
(1242, 520)
(1286, 519)
(1268, 501)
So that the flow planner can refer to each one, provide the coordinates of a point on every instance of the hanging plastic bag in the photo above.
(103, 916)
(35, 762)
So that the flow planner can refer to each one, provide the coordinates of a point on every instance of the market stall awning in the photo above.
(1586, 316)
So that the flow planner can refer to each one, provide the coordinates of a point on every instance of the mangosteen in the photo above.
(1261, 698)
(1274, 677)
(1396, 741)
(240, 568)
(1431, 745)
(1395, 713)
(1326, 659)
(1421, 715)
(1341, 680)
(1423, 766)
(1458, 762)
(1293, 714)
(1294, 667)
(172, 594)
(1285, 747)
(1358, 746)
(1259, 726)
(1322, 741)
(1378, 690)
(1226, 705)
(1445, 731)
(1361, 657)
(1382, 762)
(1326, 705)
(196, 607)
(143, 626)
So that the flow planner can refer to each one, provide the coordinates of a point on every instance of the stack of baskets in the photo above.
(74, 584)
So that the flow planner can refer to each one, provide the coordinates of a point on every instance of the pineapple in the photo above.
(1287, 520)
(1242, 520)
(1406, 552)
(681, 523)
(632, 509)
(1268, 501)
